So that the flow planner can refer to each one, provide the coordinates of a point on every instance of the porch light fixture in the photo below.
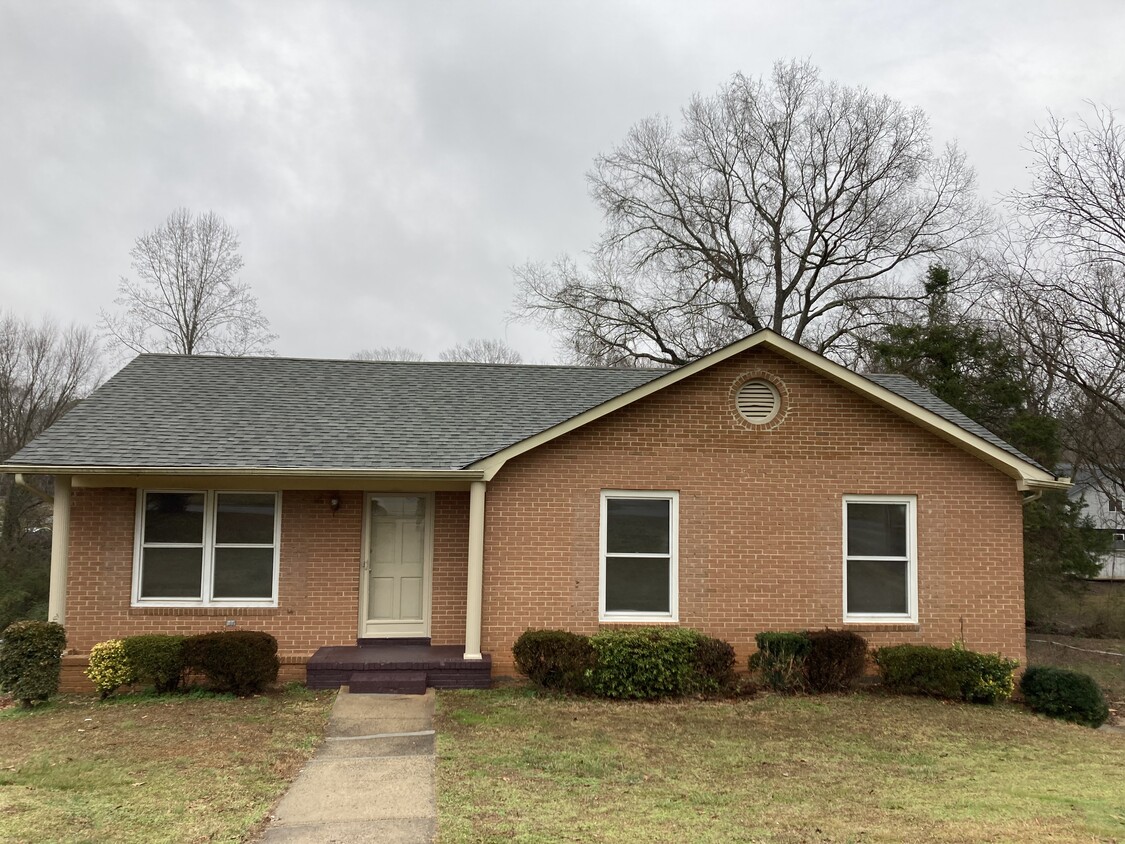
(334, 502)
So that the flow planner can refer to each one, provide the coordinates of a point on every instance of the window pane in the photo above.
(877, 586)
(171, 572)
(636, 585)
(173, 517)
(244, 518)
(243, 573)
(876, 530)
(637, 525)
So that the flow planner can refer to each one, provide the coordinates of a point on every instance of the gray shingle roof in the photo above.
(175, 411)
(172, 411)
(915, 392)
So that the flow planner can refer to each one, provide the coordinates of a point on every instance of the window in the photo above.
(880, 564)
(206, 548)
(638, 556)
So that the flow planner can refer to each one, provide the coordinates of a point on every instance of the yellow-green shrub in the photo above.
(109, 667)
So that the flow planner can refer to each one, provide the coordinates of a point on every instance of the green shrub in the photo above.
(109, 667)
(156, 659)
(1069, 695)
(31, 660)
(714, 665)
(835, 660)
(781, 659)
(954, 673)
(243, 662)
(645, 662)
(554, 659)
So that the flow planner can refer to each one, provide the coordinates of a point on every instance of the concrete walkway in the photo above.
(371, 780)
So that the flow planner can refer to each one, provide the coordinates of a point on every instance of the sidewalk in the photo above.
(372, 779)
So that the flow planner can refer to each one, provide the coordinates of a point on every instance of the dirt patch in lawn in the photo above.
(144, 769)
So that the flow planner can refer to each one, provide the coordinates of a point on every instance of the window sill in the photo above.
(876, 626)
(609, 621)
(203, 611)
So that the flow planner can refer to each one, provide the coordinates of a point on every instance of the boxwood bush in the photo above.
(157, 660)
(1069, 695)
(954, 673)
(240, 661)
(554, 659)
(31, 660)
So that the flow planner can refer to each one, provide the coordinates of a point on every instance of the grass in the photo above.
(146, 769)
(1080, 608)
(517, 767)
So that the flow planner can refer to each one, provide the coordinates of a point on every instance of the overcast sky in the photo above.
(387, 164)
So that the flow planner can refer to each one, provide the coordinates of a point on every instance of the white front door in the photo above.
(395, 590)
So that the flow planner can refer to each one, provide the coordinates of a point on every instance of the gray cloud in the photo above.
(386, 163)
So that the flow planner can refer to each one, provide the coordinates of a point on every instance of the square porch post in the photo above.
(475, 577)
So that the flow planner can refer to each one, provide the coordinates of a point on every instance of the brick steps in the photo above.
(400, 665)
(387, 682)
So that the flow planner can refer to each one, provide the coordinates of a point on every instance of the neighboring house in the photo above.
(1105, 504)
(457, 505)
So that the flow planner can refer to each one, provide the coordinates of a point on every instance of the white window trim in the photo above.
(210, 501)
(910, 617)
(673, 614)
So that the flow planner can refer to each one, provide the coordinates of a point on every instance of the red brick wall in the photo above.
(318, 581)
(760, 516)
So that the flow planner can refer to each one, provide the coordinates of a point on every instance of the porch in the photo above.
(407, 666)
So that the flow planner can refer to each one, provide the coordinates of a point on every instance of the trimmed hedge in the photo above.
(31, 660)
(781, 659)
(645, 662)
(240, 661)
(109, 667)
(156, 659)
(554, 659)
(835, 660)
(714, 664)
(953, 673)
(1069, 695)
(640, 663)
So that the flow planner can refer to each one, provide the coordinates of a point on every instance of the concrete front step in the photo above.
(387, 682)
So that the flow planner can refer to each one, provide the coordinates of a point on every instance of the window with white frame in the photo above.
(880, 558)
(204, 548)
(639, 556)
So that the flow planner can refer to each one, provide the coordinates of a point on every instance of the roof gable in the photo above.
(897, 393)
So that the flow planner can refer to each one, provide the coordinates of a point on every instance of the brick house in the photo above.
(420, 516)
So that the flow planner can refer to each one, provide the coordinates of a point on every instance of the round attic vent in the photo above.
(758, 401)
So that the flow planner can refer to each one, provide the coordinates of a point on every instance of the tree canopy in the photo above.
(791, 203)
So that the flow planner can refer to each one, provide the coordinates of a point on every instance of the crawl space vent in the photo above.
(758, 401)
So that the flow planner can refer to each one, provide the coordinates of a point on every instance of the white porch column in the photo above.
(60, 549)
(476, 570)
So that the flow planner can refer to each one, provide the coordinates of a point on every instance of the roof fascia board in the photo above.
(249, 471)
(1007, 463)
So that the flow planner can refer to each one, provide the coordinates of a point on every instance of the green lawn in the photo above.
(864, 768)
(135, 769)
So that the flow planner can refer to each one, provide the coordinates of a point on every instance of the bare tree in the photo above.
(789, 204)
(187, 298)
(44, 371)
(482, 351)
(388, 353)
(1065, 277)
